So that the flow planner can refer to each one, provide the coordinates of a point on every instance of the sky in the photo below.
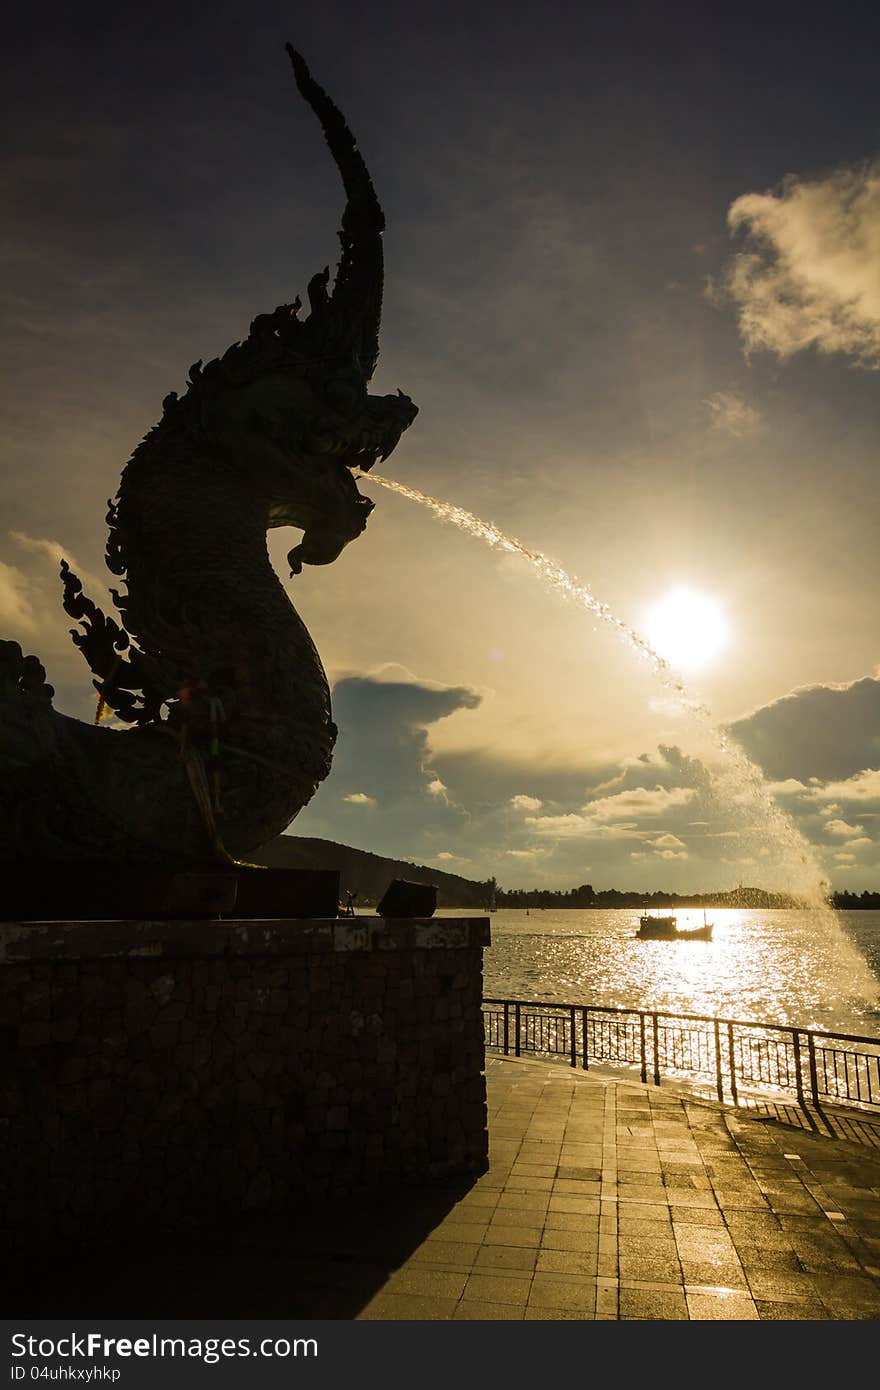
(633, 285)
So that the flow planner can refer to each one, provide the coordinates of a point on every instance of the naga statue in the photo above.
(222, 728)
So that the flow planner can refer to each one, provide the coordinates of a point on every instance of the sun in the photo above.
(688, 628)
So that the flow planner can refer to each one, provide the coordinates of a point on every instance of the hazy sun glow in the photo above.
(688, 628)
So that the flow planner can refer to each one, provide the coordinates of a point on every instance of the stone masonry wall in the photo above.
(165, 1072)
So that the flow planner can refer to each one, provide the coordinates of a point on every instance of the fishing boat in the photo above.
(667, 929)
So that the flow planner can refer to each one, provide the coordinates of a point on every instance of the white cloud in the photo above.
(526, 803)
(731, 414)
(841, 829)
(638, 802)
(15, 605)
(864, 786)
(809, 275)
(53, 552)
(668, 842)
(436, 787)
(790, 787)
(614, 817)
(360, 799)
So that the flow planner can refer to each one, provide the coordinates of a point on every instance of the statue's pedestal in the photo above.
(166, 1073)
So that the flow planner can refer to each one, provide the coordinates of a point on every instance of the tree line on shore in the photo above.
(587, 897)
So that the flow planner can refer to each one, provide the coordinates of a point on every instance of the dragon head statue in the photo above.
(292, 398)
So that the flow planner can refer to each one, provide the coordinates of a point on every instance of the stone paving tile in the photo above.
(696, 1216)
(495, 1288)
(654, 1304)
(472, 1310)
(636, 1226)
(523, 1201)
(512, 1257)
(848, 1296)
(791, 1312)
(782, 1286)
(663, 1243)
(509, 1234)
(515, 1216)
(583, 1241)
(762, 1257)
(572, 1221)
(565, 1201)
(426, 1281)
(637, 1268)
(551, 1261)
(549, 1291)
(730, 1306)
(727, 1273)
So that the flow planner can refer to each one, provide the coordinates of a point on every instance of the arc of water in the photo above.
(745, 777)
(746, 772)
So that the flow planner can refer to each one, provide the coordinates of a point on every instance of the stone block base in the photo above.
(163, 1074)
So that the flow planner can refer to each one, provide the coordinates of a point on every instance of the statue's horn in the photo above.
(356, 301)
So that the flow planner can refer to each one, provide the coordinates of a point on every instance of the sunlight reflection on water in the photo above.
(773, 966)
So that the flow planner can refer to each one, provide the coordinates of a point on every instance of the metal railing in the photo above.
(728, 1054)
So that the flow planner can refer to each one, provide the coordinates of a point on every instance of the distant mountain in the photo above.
(368, 874)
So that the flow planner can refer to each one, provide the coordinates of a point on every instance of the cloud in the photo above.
(863, 787)
(526, 803)
(613, 817)
(809, 274)
(16, 609)
(383, 744)
(639, 802)
(731, 414)
(841, 829)
(822, 731)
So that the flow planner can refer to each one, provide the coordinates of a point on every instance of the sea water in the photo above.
(764, 967)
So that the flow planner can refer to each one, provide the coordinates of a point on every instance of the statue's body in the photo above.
(209, 646)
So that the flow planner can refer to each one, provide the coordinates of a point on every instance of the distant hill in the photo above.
(368, 874)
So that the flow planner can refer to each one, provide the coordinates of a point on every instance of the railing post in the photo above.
(656, 1051)
(642, 1049)
(507, 1027)
(814, 1075)
(732, 1055)
(798, 1074)
(516, 1009)
(584, 1052)
(573, 1040)
(719, 1078)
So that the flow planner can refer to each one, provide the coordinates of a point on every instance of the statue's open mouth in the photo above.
(335, 512)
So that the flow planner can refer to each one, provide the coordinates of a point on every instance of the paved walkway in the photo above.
(615, 1200)
(604, 1199)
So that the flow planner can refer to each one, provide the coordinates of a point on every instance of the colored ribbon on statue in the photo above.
(102, 703)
